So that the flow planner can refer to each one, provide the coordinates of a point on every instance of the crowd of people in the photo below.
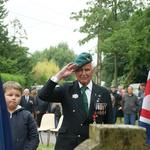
(127, 104)
(81, 102)
(31, 102)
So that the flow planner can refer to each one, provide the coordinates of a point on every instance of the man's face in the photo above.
(84, 74)
(130, 90)
(142, 87)
(26, 92)
(113, 89)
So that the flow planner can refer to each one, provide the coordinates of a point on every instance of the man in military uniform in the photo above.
(80, 100)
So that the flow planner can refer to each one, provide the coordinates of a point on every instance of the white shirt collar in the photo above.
(89, 85)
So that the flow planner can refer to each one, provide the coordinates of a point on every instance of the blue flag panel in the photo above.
(5, 131)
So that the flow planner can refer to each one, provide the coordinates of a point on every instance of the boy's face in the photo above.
(12, 97)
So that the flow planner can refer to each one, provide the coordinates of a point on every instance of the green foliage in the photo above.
(61, 54)
(131, 44)
(122, 28)
(6, 65)
(118, 43)
(4, 40)
(103, 17)
(139, 48)
(14, 58)
(37, 56)
(96, 21)
(44, 70)
(45, 147)
(9, 77)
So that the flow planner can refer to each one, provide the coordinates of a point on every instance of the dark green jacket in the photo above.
(75, 126)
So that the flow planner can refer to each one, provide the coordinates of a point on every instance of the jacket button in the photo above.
(79, 135)
(74, 110)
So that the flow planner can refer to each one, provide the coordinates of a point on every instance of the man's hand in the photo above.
(66, 71)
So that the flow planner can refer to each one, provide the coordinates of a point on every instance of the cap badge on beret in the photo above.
(88, 59)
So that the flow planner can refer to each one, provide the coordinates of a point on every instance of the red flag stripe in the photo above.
(145, 113)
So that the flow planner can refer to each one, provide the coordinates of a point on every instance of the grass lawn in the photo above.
(45, 147)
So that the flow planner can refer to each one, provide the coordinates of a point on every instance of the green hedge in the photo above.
(10, 77)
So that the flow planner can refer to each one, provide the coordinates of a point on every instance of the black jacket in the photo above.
(30, 105)
(40, 105)
(24, 130)
(75, 126)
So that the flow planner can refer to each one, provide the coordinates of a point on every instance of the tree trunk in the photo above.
(115, 70)
(99, 59)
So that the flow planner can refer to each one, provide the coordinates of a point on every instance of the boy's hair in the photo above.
(12, 85)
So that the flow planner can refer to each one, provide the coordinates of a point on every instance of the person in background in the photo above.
(23, 126)
(130, 106)
(123, 92)
(119, 90)
(56, 108)
(40, 106)
(113, 105)
(141, 95)
(117, 102)
(33, 94)
(27, 101)
(78, 100)
(120, 114)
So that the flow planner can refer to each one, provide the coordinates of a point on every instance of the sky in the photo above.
(48, 23)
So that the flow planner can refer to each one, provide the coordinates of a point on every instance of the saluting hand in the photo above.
(66, 71)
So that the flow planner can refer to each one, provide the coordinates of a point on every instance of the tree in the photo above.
(61, 54)
(95, 26)
(4, 40)
(19, 33)
(115, 48)
(14, 58)
(44, 70)
(101, 19)
(139, 49)
(131, 43)
(5, 61)
(10, 77)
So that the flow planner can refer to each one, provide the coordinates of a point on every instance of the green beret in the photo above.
(83, 59)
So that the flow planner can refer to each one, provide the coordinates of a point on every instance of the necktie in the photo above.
(85, 100)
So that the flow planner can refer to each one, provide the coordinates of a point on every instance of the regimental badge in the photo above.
(75, 96)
